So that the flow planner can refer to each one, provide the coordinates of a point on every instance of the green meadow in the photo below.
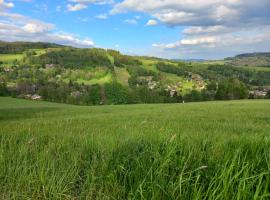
(10, 58)
(213, 150)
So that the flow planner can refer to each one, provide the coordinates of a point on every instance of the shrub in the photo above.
(116, 93)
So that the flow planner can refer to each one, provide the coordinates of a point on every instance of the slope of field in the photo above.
(216, 150)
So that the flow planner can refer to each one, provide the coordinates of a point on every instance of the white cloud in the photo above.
(205, 41)
(36, 28)
(212, 27)
(76, 7)
(220, 44)
(16, 27)
(151, 22)
(5, 5)
(83, 19)
(58, 8)
(100, 2)
(199, 41)
(102, 16)
(131, 21)
(70, 39)
(200, 30)
(26, 1)
(199, 12)
(83, 4)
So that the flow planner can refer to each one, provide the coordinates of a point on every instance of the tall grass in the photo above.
(218, 150)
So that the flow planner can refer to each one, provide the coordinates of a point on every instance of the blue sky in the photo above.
(165, 28)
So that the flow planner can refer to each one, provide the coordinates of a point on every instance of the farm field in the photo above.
(213, 150)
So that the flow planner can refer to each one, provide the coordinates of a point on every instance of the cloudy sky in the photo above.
(208, 29)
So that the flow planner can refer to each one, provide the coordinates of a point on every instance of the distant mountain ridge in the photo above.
(188, 60)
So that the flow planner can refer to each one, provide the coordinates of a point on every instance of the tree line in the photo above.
(20, 47)
(115, 93)
(72, 58)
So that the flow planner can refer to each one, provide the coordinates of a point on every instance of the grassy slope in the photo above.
(106, 79)
(149, 65)
(9, 58)
(122, 75)
(58, 151)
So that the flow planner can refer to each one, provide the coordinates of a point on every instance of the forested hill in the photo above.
(250, 59)
(20, 47)
(101, 76)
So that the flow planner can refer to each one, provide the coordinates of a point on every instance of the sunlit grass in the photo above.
(149, 65)
(214, 150)
(122, 75)
(10, 58)
(106, 79)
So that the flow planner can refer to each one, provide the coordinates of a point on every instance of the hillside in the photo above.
(20, 47)
(99, 76)
(173, 151)
(250, 59)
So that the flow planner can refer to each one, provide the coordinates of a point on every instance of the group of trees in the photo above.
(172, 69)
(71, 93)
(123, 60)
(80, 94)
(3, 89)
(268, 94)
(231, 89)
(73, 58)
(20, 47)
(248, 76)
(227, 89)
(218, 72)
(136, 74)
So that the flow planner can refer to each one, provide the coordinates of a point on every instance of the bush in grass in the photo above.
(193, 96)
(94, 95)
(116, 93)
(3, 89)
(268, 94)
(231, 89)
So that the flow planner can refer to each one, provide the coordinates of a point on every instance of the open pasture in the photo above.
(214, 150)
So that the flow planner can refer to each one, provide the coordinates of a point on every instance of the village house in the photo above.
(7, 69)
(30, 96)
(36, 97)
(258, 94)
(48, 66)
(172, 90)
(152, 84)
